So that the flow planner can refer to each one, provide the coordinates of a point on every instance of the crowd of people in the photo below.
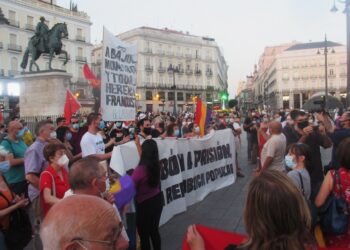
(41, 168)
(285, 146)
(64, 165)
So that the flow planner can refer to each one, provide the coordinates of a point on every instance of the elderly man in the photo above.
(15, 145)
(82, 222)
(272, 154)
(35, 163)
(87, 176)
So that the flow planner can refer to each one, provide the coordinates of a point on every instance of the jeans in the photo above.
(148, 215)
(249, 140)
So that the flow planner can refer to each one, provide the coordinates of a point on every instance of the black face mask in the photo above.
(147, 131)
(303, 124)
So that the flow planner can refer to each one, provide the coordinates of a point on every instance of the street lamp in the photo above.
(174, 70)
(347, 12)
(325, 51)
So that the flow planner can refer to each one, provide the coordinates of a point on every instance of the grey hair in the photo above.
(83, 172)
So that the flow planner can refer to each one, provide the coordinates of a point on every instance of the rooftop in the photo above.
(314, 45)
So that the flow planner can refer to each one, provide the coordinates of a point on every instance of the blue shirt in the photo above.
(35, 163)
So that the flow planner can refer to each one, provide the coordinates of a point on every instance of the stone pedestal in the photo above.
(43, 93)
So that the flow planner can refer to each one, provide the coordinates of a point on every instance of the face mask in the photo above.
(69, 136)
(75, 126)
(177, 133)
(303, 124)
(153, 127)
(20, 133)
(102, 124)
(253, 114)
(184, 124)
(278, 119)
(63, 160)
(289, 161)
(53, 135)
(119, 124)
(147, 131)
(196, 130)
(4, 166)
(265, 120)
(232, 120)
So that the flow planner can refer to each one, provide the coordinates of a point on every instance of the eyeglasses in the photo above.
(111, 244)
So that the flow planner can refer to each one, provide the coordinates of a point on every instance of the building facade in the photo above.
(298, 72)
(22, 17)
(201, 68)
(245, 95)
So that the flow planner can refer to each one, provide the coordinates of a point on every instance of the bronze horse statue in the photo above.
(52, 45)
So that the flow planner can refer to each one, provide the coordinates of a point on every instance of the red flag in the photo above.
(71, 106)
(89, 75)
(198, 113)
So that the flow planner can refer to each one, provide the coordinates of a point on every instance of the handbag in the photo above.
(334, 214)
(19, 233)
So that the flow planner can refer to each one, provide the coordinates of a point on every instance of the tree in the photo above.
(232, 103)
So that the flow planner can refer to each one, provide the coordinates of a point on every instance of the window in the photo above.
(180, 96)
(30, 20)
(171, 96)
(80, 51)
(12, 15)
(149, 96)
(79, 32)
(331, 72)
(14, 63)
(13, 89)
(188, 97)
(162, 95)
(80, 72)
(13, 39)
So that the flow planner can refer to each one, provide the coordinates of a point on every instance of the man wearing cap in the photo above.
(145, 126)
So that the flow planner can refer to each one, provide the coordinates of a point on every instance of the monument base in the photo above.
(43, 93)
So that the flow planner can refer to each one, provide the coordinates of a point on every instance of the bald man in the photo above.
(14, 143)
(82, 222)
(272, 154)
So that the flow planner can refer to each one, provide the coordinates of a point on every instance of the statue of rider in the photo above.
(42, 33)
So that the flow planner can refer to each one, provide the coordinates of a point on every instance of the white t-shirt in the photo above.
(92, 144)
(275, 147)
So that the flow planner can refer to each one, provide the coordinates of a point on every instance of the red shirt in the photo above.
(62, 185)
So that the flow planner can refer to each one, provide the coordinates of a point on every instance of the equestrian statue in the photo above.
(45, 41)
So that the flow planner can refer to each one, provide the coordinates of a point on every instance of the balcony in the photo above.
(161, 70)
(198, 72)
(189, 72)
(209, 73)
(80, 38)
(181, 72)
(2, 72)
(1, 45)
(149, 68)
(188, 56)
(148, 51)
(14, 47)
(30, 27)
(63, 57)
(12, 73)
(81, 59)
(13, 23)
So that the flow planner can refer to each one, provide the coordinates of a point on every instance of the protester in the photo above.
(15, 145)
(77, 134)
(314, 137)
(172, 131)
(92, 142)
(69, 225)
(342, 188)
(54, 180)
(60, 121)
(272, 154)
(88, 177)
(35, 164)
(144, 125)
(251, 128)
(190, 131)
(276, 216)
(297, 159)
(3, 133)
(28, 137)
(338, 136)
(149, 198)
(159, 128)
(5, 190)
(262, 137)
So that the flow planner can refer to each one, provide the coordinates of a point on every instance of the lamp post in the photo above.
(347, 12)
(325, 52)
(173, 70)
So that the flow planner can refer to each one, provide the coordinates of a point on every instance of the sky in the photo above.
(242, 28)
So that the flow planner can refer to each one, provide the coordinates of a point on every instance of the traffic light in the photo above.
(223, 95)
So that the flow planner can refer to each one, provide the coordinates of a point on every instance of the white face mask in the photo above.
(53, 135)
(63, 160)
(196, 130)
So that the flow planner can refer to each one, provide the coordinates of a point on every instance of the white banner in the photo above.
(118, 83)
(190, 168)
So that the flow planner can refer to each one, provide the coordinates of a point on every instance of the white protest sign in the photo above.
(118, 75)
(190, 168)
